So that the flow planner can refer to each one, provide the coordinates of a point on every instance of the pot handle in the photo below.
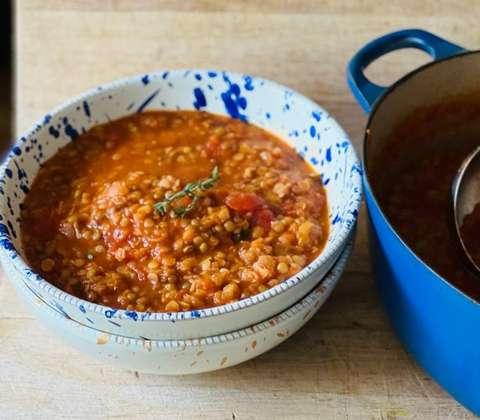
(367, 92)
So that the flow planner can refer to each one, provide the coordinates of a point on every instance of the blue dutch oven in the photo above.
(438, 324)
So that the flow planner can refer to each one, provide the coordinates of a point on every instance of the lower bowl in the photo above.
(181, 357)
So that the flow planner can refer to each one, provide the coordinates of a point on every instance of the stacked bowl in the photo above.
(207, 339)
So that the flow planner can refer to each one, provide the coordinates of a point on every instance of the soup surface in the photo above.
(426, 151)
(417, 207)
(170, 211)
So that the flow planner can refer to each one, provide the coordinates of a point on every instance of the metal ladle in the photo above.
(465, 196)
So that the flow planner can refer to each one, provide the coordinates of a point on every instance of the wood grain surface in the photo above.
(347, 362)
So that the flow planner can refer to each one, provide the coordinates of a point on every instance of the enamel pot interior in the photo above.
(436, 106)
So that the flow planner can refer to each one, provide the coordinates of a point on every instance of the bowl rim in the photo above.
(320, 290)
(334, 246)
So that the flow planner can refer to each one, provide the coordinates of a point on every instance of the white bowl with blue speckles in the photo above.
(289, 115)
(180, 357)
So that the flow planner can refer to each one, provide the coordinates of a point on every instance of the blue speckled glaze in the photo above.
(300, 122)
(200, 101)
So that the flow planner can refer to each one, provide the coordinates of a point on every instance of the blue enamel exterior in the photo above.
(367, 92)
(438, 324)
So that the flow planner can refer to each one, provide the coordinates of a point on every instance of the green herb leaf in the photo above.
(188, 191)
(179, 211)
(89, 256)
(242, 236)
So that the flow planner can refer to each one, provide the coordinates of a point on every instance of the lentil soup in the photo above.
(412, 178)
(168, 211)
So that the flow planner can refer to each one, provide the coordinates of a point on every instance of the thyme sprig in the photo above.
(191, 190)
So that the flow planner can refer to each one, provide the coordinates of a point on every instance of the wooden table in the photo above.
(346, 363)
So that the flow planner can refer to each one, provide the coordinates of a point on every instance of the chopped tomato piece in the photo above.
(263, 218)
(289, 208)
(212, 147)
(244, 202)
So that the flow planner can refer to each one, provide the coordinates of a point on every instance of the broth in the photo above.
(412, 177)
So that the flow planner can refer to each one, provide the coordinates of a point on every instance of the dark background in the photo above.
(6, 105)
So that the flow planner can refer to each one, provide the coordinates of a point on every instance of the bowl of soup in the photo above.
(179, 204)
(418, 133)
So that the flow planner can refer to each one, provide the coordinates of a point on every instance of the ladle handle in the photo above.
(366, 92)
